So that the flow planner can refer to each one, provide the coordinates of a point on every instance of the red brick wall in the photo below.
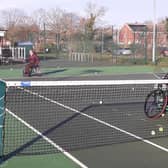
(126, 35)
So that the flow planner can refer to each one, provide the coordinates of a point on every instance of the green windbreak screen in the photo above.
(2, 110)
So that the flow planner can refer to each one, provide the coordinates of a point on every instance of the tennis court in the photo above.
(99, 124)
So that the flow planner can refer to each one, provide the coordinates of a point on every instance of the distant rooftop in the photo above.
(25, 43)
(1, 29)
(137, 27)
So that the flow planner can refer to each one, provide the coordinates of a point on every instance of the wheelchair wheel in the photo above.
(27, 74)
(155, 104)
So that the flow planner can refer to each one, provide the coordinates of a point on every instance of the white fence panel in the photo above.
(18, 53)
(81, 57)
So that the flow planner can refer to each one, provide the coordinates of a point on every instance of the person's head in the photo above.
(31, 52)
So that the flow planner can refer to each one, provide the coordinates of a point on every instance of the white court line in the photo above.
(156, 76)
(98, 120)
(1, 108)
(67, 154)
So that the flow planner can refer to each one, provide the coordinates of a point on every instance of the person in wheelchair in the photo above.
(33, 64)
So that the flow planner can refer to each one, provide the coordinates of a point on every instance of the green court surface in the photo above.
(25, 135)
(136, 154)
(42, 161)
(82, 71)
(125, 155)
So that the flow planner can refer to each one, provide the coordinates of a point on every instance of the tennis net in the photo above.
(56, 116)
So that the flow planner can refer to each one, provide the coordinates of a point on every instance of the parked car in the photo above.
(164, 52)
(126, 51)
(122, 51)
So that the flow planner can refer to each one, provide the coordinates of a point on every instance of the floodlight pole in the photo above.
(102, 42)
(154, 33)
(44, 36)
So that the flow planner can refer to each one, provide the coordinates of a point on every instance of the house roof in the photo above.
(137, 27)
(1, 29)
(25, 43)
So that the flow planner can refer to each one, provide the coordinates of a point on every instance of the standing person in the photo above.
(33, 62)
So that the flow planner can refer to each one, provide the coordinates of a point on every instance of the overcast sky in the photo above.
(118, 11)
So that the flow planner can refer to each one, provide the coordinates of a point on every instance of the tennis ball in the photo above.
(163, 115)
(153, 132)
(100, 102)
(161, 129)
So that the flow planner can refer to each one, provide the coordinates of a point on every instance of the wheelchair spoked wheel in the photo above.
(155, 104)
(25, 74)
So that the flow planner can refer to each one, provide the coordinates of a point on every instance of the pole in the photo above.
(44, 36)
(102, 45)
(112, 30)
(112, 39)
(145, 44)
(134, 48)
(154, 33)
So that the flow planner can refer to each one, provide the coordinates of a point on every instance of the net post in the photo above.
(2, 116)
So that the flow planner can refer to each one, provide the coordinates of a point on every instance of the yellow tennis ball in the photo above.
(161, 129)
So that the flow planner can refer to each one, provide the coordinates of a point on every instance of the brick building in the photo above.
(136, 33)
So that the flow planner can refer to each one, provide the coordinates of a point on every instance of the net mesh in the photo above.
(77, 116)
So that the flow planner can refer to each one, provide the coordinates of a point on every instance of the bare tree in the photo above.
(94, 15)
(94, 12)
(54, 19)
(20, 26)
(12, 17)
(62, 25)
(39, 17)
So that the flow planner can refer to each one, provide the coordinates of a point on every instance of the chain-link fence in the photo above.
(109, 45)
